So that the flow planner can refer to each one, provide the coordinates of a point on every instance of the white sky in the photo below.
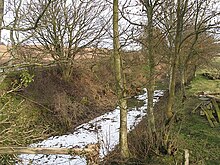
(123, 24)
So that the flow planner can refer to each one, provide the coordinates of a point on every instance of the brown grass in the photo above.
(71, 103)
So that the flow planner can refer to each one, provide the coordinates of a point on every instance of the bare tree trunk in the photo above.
(183, 81)
(67, 71)
(1, 17)
(151, 64)
(175, 56)
(120, 85)
(169, 112)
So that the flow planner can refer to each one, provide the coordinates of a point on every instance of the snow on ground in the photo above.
(103, 129)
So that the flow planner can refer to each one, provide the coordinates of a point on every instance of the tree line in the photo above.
(183, 33)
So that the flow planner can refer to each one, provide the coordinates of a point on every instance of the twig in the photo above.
(34, 102)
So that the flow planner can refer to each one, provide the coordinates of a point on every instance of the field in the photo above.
(195, 133)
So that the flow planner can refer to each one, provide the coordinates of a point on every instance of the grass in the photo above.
(196, 133)
(21, 122)
(216, 63)
(193, 131)
(201, 83)
(197, 136)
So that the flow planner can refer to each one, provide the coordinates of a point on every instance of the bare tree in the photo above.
(203, 18)
(180, 11)
(67, 29)
(151, 40)
(120, 84)
(149, 7)
(14, 9)
(1, 16)
(177, 18)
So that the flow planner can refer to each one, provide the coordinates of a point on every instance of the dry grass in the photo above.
(71, 103)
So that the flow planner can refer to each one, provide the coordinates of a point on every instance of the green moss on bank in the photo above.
(196, 135)
(203, 84)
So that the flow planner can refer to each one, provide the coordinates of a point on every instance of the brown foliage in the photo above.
(74, 102)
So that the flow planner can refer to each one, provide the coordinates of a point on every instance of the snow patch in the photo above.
(103, 129)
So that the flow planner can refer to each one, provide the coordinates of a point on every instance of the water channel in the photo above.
(103, 129)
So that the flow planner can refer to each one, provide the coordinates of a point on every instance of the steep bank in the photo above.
(50, 106)
(69, 104)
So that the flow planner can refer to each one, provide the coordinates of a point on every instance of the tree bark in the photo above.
(151, 64)
(183, 81)
(120, 85)
(175, 56)
(1, 17)
(67, 71)
(91, 152)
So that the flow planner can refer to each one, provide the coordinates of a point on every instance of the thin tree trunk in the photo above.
(169, 112)
(1, 17)
(123, 142)
(183, 82)
(175, 57)
(67, 71)
(1, 21)
(151, 64)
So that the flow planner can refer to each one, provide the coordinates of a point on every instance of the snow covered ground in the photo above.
(103, 129)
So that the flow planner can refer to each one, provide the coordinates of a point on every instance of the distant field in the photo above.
(36, 53)
(201, 83)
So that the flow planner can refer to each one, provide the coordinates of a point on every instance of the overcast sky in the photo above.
(134, 9)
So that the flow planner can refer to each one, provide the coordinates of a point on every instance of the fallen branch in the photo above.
(30, 150)
(215, 93)
(198, 106)
(213, 97)
(91, 152)
(211, 119)
(217, 110)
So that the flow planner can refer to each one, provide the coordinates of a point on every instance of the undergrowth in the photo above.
(190, 131)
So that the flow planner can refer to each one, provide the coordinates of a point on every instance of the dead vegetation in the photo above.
(143, 147)
(50, 106)
(54, 106)
(74, 102)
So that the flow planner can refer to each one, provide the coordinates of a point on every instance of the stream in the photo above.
(103, 129)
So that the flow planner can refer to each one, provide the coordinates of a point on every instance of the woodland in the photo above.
(64, 63)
